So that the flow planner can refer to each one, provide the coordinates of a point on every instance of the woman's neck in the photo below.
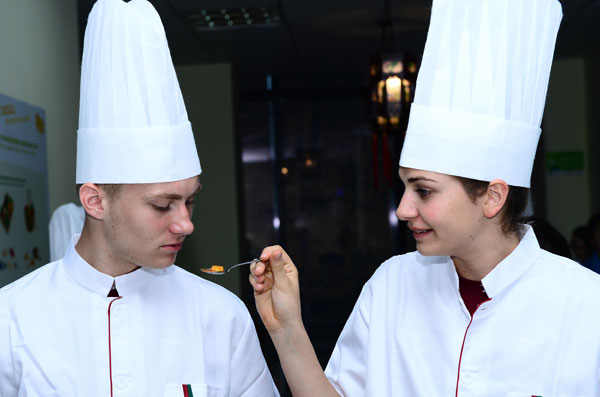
(477, 261)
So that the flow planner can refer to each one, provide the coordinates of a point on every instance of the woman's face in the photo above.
(443, 218)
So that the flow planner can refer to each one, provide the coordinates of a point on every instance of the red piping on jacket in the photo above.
(463, 345)
(109, 348)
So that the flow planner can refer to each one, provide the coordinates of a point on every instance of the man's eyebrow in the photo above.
(169, 196)
(175, 196)
(420, 179)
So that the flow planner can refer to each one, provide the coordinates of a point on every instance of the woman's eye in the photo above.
(423, 192)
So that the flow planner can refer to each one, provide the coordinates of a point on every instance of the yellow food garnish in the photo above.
(217, 268)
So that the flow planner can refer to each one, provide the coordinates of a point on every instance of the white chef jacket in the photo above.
(410, 333)
(60, 335)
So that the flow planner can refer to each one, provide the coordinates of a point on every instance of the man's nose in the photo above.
(183, 222)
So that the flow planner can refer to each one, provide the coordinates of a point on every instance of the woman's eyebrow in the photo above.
(420, 179)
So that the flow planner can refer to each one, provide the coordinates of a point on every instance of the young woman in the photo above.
(479, 309)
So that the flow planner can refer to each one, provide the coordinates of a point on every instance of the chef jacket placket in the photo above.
(470, 363)
(120, 357)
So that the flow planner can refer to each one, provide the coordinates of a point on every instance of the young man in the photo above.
(114, 317)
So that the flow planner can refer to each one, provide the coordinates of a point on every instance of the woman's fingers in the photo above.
(258, 287)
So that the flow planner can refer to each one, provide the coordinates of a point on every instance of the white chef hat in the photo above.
(481, 89)
(133, 126)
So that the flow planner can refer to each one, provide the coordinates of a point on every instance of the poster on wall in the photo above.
(23, 189)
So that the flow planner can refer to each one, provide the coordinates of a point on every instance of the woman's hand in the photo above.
(277, 296)
(276, 290)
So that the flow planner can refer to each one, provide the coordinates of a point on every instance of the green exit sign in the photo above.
(564, 161)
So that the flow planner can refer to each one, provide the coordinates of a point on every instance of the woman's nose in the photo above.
(406, 210)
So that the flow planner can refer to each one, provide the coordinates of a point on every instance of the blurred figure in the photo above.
(66, 221)
(549, 238)
(593, 226)
(581, 245)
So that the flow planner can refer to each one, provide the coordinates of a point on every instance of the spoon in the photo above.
(220, 270)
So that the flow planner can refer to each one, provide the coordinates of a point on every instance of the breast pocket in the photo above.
(193, 389)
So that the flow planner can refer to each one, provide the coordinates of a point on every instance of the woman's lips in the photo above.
(419, 234)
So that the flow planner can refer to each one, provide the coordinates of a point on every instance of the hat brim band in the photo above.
(136, 155)
(469, 145)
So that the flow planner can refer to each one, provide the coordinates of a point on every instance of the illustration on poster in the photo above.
(29, 213)
(6, 212)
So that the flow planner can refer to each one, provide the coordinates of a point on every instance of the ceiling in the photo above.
(326, 38)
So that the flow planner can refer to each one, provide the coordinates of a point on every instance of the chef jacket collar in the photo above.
(514, 265)
(86, 275)
(510, 268)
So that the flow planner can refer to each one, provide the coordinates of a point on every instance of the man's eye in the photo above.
(190, 203)
(160, 209)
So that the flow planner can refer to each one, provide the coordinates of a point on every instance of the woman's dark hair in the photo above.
(514, 207)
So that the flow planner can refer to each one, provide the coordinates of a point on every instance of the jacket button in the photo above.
(467, 377)
(120, 311)
(122, 382)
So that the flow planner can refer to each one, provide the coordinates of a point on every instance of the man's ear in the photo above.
(93, 200)
(496, 196)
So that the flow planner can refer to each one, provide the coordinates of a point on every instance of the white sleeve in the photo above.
(250, 376)
(347, 367)
(7, 366)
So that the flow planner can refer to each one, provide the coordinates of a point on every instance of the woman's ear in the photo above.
(496, 196)
(91, 197)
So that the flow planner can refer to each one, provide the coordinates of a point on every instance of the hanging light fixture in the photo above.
(392, 79)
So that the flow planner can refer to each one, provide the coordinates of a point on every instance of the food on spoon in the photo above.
(214, 269)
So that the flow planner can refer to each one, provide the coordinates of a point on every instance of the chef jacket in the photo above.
(60, 335)
(410, 333)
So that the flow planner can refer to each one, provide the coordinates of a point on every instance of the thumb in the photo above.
(277, 264)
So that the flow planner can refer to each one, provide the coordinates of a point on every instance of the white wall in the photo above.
(39, 64)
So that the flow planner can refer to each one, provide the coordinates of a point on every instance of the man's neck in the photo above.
(96, 253)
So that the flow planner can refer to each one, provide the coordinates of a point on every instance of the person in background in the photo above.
(593, 227)
(480, 309)
(580, 244)
(115, 317)
(549, 238)
(66, 221)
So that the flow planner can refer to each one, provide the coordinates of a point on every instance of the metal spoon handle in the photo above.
(240, 264)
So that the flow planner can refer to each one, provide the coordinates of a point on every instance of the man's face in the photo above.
(145, 224)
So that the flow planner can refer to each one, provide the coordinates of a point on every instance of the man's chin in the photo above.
(162, 264)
